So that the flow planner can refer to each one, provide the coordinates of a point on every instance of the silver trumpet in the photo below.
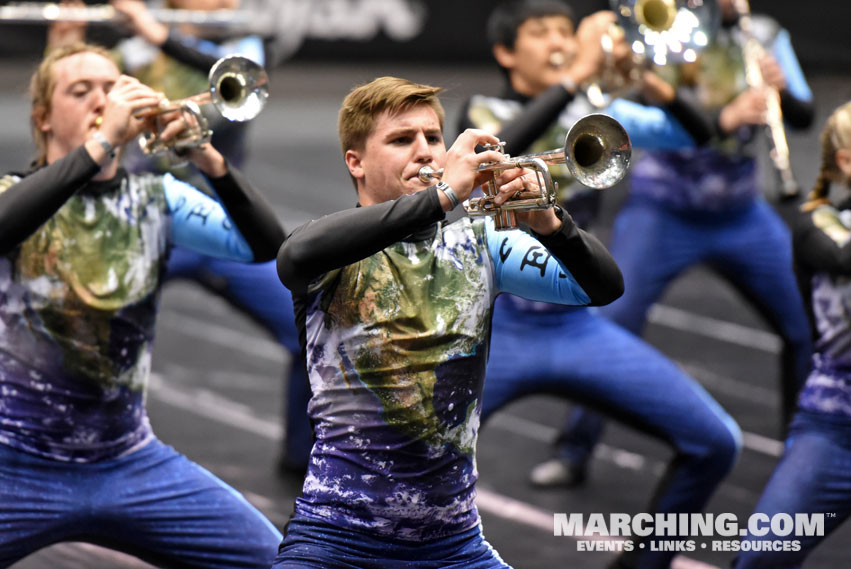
(239, 89)
(596, 151)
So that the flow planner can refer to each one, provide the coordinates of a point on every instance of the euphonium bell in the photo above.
(239, 89)
(596, 151)
(657, 31)
(664, 30)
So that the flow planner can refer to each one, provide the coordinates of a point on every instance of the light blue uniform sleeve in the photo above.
(201, 223)
(524, 267)
(651, 128)
(796, 83)
(249, 46)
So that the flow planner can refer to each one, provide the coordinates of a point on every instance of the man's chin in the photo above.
(414, 187)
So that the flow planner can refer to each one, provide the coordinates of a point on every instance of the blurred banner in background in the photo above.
(451, 31)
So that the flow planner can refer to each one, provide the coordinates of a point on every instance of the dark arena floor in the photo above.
(216, 393)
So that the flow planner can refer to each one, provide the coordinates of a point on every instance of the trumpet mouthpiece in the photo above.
(426, 174)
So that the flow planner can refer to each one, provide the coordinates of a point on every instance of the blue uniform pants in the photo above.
(256, 290)
(751, 248)
(153, 503)
(584, 357)
(812, 477)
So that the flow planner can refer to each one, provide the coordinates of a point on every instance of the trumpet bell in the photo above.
(239, 88)
(597, 151)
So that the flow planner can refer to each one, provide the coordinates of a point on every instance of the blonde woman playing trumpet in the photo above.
(83, 248)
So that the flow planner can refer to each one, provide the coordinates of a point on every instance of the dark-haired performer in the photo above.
(705, 206)
(83, 247)
(573, 352)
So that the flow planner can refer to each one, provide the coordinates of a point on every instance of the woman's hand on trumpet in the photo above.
(510, 183)
(179, 124)
(118, 119)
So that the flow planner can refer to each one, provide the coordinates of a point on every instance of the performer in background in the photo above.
(573, 352)
(177, 62)
(705, 206)
(84, 247)
(814, 474)
(394, 305)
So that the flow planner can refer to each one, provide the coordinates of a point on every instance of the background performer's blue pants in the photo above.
(256, 290)
(584, 357)
(751, 248)
(812, 477)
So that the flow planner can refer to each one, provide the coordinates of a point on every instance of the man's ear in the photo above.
(843, 160)
(354, 164)
(504, 56)
(40, 118)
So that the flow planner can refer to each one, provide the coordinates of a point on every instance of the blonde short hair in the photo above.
(363, 104)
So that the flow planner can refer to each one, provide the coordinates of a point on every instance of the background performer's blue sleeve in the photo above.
(783, 52)
(200, 223)
(652, 128)
(523, 266)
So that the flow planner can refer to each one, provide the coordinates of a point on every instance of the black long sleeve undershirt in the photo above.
(27, 205)
(817, 252)
(589, 261)
(175, 48)
(346, 237)
(797, 113)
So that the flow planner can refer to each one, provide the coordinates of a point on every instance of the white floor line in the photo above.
(547, 434)
(253, 345)
(714, 328)
(532, 516)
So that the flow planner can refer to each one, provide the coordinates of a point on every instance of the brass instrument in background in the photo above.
(657, 31)
(596, 150)
(239, 89)
(49, 12)
(753, 52)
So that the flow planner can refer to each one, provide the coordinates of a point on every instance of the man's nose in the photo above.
(556, 40)
(422, 149)
(99, 99)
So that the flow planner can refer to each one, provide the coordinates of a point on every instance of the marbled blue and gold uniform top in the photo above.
(78, 301)
(397, 344)
(823, 258)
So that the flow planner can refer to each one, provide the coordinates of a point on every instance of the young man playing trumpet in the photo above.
(572, 352)
(83, 247)
(394, 306)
